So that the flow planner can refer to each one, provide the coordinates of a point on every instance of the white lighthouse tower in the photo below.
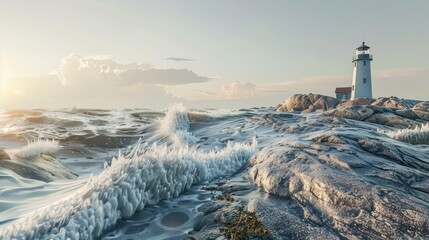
(361, 85)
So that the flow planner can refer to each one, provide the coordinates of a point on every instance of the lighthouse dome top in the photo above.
(363, 47)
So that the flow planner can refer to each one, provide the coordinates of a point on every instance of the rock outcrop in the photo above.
(422, 110)
(356, 102)
(341, 178)
(393, 112)
(395, 102)
(312, 102)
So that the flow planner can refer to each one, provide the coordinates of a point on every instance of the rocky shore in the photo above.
(336, 172)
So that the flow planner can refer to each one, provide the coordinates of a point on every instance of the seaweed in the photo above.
(243, 225)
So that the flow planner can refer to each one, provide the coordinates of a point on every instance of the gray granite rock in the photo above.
(395, 102)
(356, 102)
(407, 113)
(344, 179)
(301, 102)
(392, 120)
(423, 115)
(353, 112)
(423, 106)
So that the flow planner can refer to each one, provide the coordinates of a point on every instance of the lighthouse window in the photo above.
(364, 63)
(355, 64)
(364, 80)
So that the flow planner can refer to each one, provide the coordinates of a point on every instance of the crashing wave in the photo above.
(175, 125)
(37, 148)
(145, 176)
(148, 174)
(418, 135)
(36, 161)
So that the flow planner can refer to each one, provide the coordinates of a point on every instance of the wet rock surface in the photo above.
(349, 172)
(331, 177)
(228, 195)
(341, 178)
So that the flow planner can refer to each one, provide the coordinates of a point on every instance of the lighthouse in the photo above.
(361, 84)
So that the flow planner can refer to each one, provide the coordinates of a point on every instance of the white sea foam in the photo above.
(418, 135)
(148, 174)
(36, 148)
(175, 125)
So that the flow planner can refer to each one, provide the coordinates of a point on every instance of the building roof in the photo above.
(363, 47)
(343, 90)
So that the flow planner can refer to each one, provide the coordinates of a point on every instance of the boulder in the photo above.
(278, 106)
(399, 109)
(394, 102)
(407, 113)
(353, 112)
(379, 109)
(391, 120)
(325, 103)
(4, 155)
(422, 106)
(356, 102)
(297, 102)
(301, 102)
(421, 110)
(380, 101)
(422, 115)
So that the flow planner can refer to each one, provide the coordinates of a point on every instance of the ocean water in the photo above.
(139, 173)
(135, 173)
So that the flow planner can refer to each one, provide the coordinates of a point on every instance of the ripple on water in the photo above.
(174, 219)
(137, 228)
(169, 219)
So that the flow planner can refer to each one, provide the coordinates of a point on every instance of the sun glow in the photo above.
(2, 85)
(17, 92)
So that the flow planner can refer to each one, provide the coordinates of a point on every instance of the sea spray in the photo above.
(417, 135)
(36, 148)
(37, 161)
(175, 125)
(148, 174)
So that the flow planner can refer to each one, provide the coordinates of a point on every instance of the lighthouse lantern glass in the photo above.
(362, 51)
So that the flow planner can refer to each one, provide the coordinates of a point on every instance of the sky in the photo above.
(222, 54)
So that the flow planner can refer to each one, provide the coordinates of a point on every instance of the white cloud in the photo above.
(235, 90)
(97, 81)
(77, 69)
(161, 76)
(179, 59)
(386, 82)
(238, 90)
